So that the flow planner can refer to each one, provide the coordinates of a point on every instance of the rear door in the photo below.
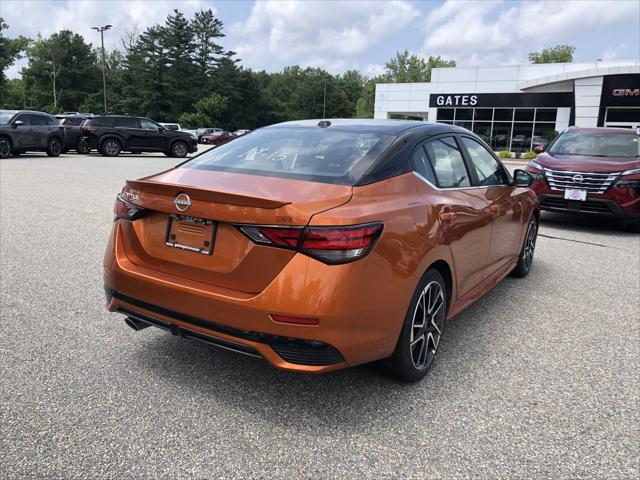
(462, 208)
(506, 211)
(40, 129)
(128, 128)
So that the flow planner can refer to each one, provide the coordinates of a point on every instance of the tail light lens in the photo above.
(331, 245)
(124, 210)
(89, 129)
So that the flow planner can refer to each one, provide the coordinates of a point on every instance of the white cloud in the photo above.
(29, 18)
(503, 32)
(318, 33)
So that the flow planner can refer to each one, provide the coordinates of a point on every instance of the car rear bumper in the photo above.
(359, 320)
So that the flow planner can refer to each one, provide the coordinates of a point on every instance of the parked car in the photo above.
(217, 138)
(29, 131)
(237, 133)
(74, 137)
(539, 141)
(202, 131)
(592, 171)
(171, 126)
(112, 134)
(319, 245)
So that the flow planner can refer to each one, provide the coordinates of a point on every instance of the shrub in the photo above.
(529, 155)
(504, 154)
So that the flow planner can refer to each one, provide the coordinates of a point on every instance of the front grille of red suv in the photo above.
(590, 181)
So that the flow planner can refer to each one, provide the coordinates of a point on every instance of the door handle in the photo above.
(447, 215)
(496, 209)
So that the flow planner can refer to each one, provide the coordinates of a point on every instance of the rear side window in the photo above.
(101, 122)
(127, 122)
(422, 166)
(447, 162)
(38, 120)
(307, 153)
(489, 170)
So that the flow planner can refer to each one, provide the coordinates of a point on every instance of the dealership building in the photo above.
(516, 107)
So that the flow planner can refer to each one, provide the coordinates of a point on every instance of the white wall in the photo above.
(587, 92)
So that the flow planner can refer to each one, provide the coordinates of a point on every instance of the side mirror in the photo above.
(539, 148)
(522, 178)
(18, 123)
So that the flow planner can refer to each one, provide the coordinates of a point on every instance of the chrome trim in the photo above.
(592, 182)
(474, 187)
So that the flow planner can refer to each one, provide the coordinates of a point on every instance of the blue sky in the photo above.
(363, 34)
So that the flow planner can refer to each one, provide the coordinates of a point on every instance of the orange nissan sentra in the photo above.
(319, 245)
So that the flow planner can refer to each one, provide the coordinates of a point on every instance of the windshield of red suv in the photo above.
(596, 144)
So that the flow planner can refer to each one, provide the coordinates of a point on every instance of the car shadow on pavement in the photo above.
(581, 223)
(353, 397)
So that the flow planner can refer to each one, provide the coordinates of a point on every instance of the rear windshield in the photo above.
(596, 144)
(305, 153)
(72, 121)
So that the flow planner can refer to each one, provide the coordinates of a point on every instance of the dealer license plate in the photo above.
(190, 233)
(575, 194)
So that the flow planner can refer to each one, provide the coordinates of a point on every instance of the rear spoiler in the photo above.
(197, 193)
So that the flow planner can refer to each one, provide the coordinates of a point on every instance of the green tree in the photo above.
(409, 67)
(11, 49)
(557, 54)
(63, 69)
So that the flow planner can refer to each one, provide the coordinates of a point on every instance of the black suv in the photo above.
(72, 124)
(112, 134)
(26, 131)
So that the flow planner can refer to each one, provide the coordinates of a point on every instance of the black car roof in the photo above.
(391, 127)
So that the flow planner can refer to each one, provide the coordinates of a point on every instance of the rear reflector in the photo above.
(295, 320)
(125, 210)
(332, 245)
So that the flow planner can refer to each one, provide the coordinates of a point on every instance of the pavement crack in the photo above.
(577, 241)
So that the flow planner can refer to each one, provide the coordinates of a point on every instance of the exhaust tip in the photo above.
(137, 325)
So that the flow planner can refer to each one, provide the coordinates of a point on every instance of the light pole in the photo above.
(104, 79)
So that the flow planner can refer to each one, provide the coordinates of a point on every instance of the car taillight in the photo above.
(89, 129)
(125, 210)
(332, 245)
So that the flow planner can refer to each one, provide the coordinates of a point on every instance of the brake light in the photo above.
(89, 129)
(331, 245)
(124, 210)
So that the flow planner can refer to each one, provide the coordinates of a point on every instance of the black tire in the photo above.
(82, 147)
(525, 258)
(418, 344)
(179, 149)
(54, 147)
(111, 147)
(6, 148)
(632, 227)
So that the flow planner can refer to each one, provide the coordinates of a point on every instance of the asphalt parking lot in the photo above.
(538, 379)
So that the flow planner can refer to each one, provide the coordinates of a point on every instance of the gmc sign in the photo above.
(626, 92)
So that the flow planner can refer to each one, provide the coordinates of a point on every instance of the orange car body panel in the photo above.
(476, 232)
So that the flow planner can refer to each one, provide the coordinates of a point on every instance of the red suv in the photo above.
(591, 171)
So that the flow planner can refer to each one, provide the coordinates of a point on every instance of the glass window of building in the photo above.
(501, 135)
(483, 130)
(524, 115)
(445, 114)
(464, 114)
(483, 114)
(503, 114)
(623, 115)
(546, 114)
(521, 137)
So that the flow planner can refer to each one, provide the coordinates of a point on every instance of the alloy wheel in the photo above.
(426, 326)
(54, 147)
(5, 148)
(112, 147)
(179, 149)
(530, 244)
